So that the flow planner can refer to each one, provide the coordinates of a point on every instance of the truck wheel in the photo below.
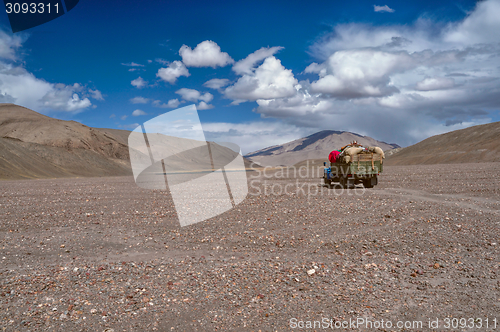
(367, 183)
(343, 181)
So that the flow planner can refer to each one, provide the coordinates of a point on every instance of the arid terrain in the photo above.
(101, 254)
(33, 145)
(476, 144)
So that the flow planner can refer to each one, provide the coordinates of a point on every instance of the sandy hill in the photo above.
(316, 146)
(474, 144)
(33, 145)
(29, 126)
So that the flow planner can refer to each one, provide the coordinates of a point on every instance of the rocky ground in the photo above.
(101, 254)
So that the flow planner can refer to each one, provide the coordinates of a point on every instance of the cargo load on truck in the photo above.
(334, 156)
(354, 164)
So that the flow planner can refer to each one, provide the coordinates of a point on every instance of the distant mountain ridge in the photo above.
(33, 145)
(315, 146)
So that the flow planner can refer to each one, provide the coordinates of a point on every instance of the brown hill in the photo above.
(120, 135)
(471, 145)
(316, 146)
(29, 126)
(21, 160)
(33, 145)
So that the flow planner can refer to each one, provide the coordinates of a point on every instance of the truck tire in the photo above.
(370, 182)
(343, 181)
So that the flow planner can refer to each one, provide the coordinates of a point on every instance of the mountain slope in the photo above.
(470, 145)
(33, 145)
(29, 126)
(21, 160)
(315, 146)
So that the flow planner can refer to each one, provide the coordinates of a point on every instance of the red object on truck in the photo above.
(333, 156)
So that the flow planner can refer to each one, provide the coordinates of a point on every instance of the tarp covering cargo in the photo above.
(356, 152)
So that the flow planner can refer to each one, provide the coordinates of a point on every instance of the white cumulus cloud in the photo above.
(383, 8)
(138, 112)
(269, 80)
(204, 106)
(361, 73)
(216, 83)
(194, 95)
(139, 82)
(172, 103)
(139, 100)
(481, 26)
(397, 83)
(9, 44)
(205, 54)
(300, 104)
(96, 94)
(65, 100)
(174, 70)
(247, 65)
(22, 88)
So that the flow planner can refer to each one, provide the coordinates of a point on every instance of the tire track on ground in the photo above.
(457, 200)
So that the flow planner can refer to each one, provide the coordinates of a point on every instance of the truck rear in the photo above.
(355, 165)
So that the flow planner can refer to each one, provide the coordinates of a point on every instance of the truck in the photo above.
(355, 166)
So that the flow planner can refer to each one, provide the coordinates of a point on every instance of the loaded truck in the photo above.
(354, 164)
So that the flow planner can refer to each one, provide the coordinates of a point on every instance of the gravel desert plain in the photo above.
(101, 254)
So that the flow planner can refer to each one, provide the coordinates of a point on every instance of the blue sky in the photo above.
(263, 72)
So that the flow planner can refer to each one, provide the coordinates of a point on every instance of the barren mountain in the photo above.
(33, 145)
(315, 146)
(471, 145)
(29, 126)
